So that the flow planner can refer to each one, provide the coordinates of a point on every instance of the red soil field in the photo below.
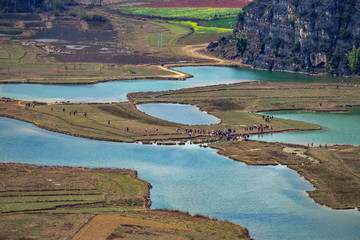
(200, 4)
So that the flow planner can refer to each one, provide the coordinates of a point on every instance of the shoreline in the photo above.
(131, 172)
(178, 75)
(175, 141)
(316, 184)
(181, 141)
(220, 151)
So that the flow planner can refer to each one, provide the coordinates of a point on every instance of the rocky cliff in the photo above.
(296, 35)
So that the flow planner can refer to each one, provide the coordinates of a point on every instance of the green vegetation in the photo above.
(95, 18)
(183, 13)
(241, 43)
(222, 23)
(202, 30)
(353, 59)
(171, 33)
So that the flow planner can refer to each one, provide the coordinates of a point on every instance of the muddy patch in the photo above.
(72, 32)
(301, 152)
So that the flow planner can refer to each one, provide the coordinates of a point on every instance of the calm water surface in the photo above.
(270, 201)
(179, 113)
(338, 128)
(117, 91)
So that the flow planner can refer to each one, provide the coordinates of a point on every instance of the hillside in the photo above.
(306, 36)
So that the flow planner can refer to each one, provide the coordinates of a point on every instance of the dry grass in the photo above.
(101, 226)
(125, 115)
(260, 96)
(334, 170)
(337, 177)
(123, 197)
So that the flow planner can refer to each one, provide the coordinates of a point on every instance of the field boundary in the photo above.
(101, 226)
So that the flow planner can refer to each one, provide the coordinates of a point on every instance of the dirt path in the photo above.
(102, 226)
(194, 51)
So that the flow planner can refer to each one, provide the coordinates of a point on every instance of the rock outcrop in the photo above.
(297, 35)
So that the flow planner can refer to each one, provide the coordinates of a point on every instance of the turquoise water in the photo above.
(269, 201)
(338, 128)
(117, 91)
(179, 113)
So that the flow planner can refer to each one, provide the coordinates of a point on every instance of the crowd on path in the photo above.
(228, 134)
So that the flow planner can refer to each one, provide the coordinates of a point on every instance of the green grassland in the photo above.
(222, 23)
(200, 35)
(182, 13)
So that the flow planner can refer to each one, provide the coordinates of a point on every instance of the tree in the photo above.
(241, 43)
(353, 59)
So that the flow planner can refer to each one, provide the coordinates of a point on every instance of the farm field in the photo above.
(200, 35)
(202, 30)
(200, 3)
(133, 55)
(221, 23)
(39, 202)
(20, 63)
(182, 13)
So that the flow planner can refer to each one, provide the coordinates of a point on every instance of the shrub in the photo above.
(95, 18)
(241, 43)
(353, 59)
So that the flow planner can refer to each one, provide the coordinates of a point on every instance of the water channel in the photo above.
(117, 91)
(270, 201)
(337, 128)
(179, 113)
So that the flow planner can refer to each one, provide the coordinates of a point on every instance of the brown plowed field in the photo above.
(102, 226)
(201, 4)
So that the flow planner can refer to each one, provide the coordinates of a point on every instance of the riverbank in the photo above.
(47, 202)
(95, 126)
(333, 170)
(123, 122)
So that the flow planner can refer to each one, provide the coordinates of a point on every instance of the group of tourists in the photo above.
(71, 112)
(267, 118)
(312, 145)
(28, 104)
(229, 134)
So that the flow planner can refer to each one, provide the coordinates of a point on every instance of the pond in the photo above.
(270, 201)
(337, 128)
(179, 113)
(117, 91)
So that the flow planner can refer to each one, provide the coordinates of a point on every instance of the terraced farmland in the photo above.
(39, 202)
(44, 189)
